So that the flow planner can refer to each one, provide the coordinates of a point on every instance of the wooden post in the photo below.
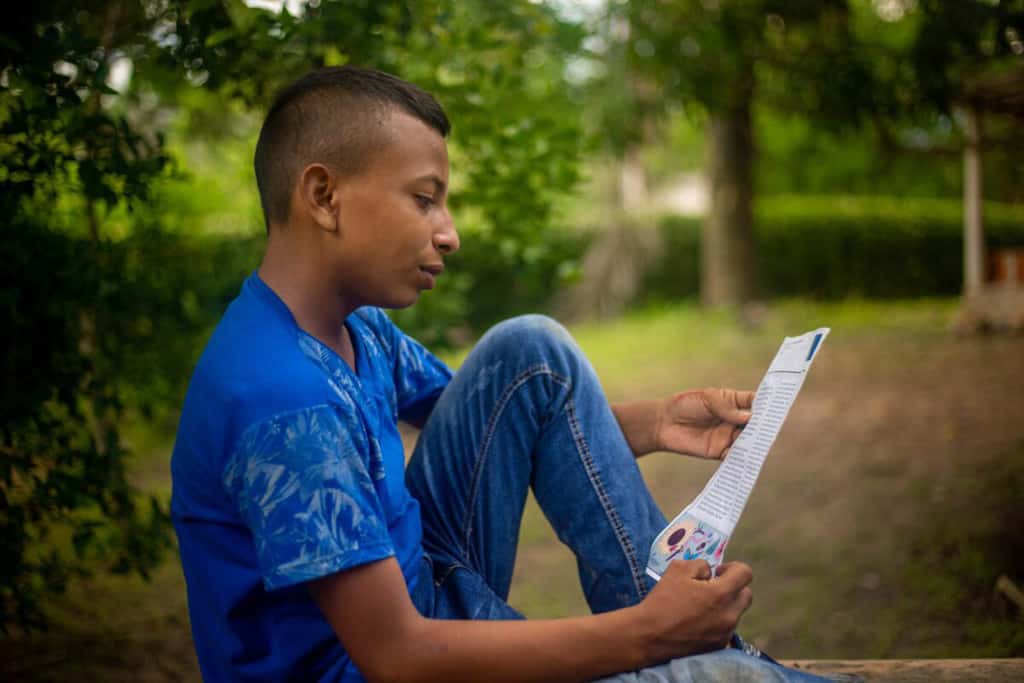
(974, 235)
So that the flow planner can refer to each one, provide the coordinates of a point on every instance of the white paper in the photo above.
(703, 528)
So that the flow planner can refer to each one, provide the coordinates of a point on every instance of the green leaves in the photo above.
(105, 308)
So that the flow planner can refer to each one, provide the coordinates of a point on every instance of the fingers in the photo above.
(721, 439)
(691, 569)
(734, 580)
(745, 599)
(734, 575)
(731, 576)
(694, 612)
(731, 405)
(745, 400)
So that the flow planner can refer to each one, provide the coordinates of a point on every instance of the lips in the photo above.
(430, 273)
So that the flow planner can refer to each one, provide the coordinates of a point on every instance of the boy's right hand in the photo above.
(689, 612)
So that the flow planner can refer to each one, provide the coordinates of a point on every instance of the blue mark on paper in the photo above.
(814, 346)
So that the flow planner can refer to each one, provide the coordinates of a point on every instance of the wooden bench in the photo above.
(919, 670)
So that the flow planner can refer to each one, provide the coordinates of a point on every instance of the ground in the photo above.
(886, 510)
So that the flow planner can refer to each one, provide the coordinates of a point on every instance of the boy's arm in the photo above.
(702, 423)
(370, 610)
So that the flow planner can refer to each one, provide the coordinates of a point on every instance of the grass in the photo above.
(885, 512)
(956, 560)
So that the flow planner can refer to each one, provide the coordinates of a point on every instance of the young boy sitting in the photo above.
(312, 552)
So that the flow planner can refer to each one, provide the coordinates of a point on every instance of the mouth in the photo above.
(430, 273)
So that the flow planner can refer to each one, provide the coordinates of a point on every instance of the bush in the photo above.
(836, 247)
(95, 331)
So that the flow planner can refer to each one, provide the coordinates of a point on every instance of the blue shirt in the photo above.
(288, 466)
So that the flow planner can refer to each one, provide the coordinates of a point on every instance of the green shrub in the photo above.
(95, 331)
(836, 247)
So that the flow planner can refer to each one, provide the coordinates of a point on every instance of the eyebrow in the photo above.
(439, 184)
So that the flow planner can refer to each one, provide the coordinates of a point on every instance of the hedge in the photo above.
(837, 247)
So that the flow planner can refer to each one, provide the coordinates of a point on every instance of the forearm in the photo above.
(389, 640)
(639, 423)
(574, 649)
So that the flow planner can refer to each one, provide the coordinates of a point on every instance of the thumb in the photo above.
(734, 406)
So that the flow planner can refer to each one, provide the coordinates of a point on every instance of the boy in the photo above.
(310, 551)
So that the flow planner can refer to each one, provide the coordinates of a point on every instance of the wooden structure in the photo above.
(988, 302)
(920, 670)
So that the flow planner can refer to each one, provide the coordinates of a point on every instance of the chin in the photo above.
(399, 302)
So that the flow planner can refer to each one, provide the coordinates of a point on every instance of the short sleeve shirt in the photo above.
(288, 466)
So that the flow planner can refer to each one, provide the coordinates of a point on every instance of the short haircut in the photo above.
(336, 116)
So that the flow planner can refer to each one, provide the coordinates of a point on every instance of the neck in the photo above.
(298, 273)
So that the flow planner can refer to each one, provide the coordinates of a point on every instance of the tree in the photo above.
(878, 65)
(719, 58)
(62, 464)
(620, 126)
(957, 44)
(104, 309)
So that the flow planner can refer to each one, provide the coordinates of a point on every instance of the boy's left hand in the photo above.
(702, 423)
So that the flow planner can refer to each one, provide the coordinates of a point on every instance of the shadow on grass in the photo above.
(955, 564)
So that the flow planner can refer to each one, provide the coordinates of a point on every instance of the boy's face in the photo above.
(394, 224)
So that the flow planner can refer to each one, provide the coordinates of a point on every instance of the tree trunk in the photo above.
(727, 260)
(632, 181)
(614, 264)
(974, 231)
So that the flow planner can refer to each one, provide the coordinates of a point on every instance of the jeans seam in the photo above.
(485, 443)
(611, 513)
(582, 449)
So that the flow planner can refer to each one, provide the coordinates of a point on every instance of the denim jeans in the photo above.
(526, 410)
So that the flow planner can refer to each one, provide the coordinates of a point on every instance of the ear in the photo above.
(319, 196)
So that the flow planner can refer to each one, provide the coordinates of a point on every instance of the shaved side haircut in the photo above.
(336, 116)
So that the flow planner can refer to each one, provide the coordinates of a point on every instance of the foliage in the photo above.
(498, 70)
(960, 41)
(62, 464)
(107, 296)
(831, 65)
(836, 247)
(797, 55)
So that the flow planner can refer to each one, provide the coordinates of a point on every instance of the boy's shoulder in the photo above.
(259, 364)
(253, 366)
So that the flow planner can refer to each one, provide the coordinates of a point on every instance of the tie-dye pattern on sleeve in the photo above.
(304, 491)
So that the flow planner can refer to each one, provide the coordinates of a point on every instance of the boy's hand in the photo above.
(703, 423)
(689, 612)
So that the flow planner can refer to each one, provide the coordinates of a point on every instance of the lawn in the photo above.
(886, 511)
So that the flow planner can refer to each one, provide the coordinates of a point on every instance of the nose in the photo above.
(446, 238)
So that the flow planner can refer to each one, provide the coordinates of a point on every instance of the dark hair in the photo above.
(335, 115)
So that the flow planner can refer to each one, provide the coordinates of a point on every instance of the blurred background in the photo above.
(682, 181)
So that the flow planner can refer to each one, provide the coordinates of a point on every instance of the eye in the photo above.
(425, 202)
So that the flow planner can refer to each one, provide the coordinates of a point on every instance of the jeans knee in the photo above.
(534, 339)
(531, 325)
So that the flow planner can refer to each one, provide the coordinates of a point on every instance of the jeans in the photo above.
(526, 410)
